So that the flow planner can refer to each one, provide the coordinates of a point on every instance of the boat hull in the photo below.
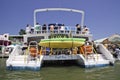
(97, 61)
(22, 63)
(17, 67)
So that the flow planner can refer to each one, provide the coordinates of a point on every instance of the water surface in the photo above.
(71, 72)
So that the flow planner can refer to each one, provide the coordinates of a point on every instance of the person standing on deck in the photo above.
(28, 29)
(44, 27)
(85, 30)
(52, 28)
(37, 28)
(78, 28)
(62, 29)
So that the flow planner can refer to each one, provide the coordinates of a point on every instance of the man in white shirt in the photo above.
(28, 29)
(62, 29)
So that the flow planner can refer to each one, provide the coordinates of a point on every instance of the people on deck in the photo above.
(28, 29)
(52, 28)
(67, 29)
(78, 28)
(59, 28)
(44, 27)
(37, 28)
(62, 29)
(85, 30)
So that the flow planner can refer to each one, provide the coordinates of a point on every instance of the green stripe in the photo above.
(64, 39)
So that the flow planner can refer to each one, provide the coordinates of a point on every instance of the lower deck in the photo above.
(32, 58)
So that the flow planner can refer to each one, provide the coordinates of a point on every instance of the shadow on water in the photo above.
(59, 63)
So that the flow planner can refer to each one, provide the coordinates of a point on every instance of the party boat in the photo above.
(50, 43)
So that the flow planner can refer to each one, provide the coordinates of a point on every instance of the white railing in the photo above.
(59, 9)
(72, 30)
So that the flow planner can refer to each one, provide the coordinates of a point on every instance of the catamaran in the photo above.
(50, 43)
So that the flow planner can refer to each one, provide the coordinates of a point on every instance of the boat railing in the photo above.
(61, 28)
(70, 30)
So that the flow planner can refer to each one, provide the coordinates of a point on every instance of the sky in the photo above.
(102, 17)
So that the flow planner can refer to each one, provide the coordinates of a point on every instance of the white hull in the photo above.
(95, 60)
(16, 61)
(21, 63)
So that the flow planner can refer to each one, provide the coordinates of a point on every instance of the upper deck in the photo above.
(56, 30)
(45, 31)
